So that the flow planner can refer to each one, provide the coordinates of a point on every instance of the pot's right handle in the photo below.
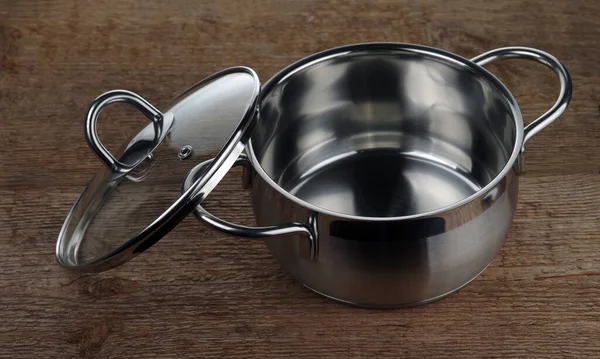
(309, 230)
(527, 53)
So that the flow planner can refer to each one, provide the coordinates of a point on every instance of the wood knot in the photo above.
(9, 48)
(105, 287)
(90, 339)
(243, 329)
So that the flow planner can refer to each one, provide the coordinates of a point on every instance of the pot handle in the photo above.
(246, 231)
(527, 53)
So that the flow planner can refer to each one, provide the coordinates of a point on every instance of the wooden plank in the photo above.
(199, 293)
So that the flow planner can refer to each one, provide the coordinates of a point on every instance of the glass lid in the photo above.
(135, 199)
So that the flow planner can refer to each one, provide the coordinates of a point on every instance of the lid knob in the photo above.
(161, 123)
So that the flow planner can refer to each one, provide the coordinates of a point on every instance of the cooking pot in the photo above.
(381, 174)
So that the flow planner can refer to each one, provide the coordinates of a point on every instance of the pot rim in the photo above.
(405, 47)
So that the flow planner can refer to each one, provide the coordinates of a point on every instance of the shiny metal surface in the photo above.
(403, 156)
(391, 263)
(134, 201)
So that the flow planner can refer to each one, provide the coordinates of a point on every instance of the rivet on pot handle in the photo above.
(566, 86)
(252, 232)
(110, 97)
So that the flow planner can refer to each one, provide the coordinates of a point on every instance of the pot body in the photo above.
(402, 162)
(389, 263)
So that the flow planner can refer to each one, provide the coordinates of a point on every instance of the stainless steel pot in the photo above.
(396, 166)
(382, 175)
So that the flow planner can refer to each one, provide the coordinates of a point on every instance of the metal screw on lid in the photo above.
(185, 152)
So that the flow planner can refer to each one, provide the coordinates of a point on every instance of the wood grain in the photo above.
(201, 294)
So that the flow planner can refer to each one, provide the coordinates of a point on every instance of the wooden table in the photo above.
(198, 293)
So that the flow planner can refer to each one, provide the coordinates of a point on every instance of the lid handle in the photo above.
(91, 135)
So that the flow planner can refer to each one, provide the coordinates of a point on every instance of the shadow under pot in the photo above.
(381, 174)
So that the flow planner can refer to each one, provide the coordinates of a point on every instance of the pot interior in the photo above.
(384, 133)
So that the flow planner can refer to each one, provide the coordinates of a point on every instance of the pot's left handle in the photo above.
(309, 229)
(527, 53)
